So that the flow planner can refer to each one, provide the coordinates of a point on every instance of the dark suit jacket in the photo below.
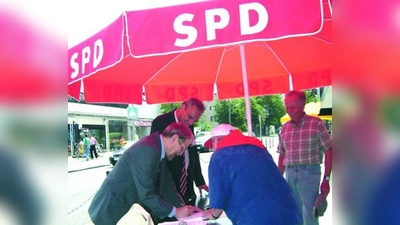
(138, 177)
(176, 164)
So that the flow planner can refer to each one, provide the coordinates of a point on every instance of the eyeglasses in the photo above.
(184, 147)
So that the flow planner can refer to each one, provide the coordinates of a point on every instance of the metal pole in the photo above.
(71, 135)
(246, 88)
(229, 111)
(107, 130)
(259, 118)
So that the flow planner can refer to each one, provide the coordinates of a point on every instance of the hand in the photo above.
(201, 188)
(207, 214)
(212, 214)
(325, 188)
(186, 210)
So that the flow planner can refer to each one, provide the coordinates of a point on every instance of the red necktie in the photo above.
(183, 179)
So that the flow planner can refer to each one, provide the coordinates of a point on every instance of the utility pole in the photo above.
(230, 110)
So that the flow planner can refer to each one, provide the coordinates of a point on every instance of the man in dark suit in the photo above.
(141, 176)
(188, 113)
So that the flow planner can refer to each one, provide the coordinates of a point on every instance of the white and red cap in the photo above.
(220, 130)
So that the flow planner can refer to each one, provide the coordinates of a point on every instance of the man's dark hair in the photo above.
(179, 129)
(300, 95)
(196, 102)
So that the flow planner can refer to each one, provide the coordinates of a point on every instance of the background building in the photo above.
(209, 113)
(108, 123)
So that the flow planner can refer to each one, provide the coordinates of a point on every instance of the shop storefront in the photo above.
(107, 123)
(142, 127)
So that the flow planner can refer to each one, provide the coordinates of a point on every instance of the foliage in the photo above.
(115, 135)
(169, 107)
(311, 95)
(274, 109)
(233, 108)
(270, 108)
(203, 124)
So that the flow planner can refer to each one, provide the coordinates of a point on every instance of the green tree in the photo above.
(169, 107)
(233, 108)
(311, 95)
(203, 124)
(257, 112)
(273, 108)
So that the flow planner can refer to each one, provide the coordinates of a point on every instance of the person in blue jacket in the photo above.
(245, 182)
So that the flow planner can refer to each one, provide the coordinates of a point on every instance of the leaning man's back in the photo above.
(138, 177)
(246, 183)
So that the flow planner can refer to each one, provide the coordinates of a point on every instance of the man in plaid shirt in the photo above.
(304, 141)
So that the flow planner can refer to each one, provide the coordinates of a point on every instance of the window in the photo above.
(212, 118)
(212, 108)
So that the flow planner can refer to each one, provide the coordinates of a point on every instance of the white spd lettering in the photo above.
(212, 25)
(98, 52)
(245, 27)
(191, 32)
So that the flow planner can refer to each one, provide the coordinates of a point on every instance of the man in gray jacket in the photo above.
(141, 176)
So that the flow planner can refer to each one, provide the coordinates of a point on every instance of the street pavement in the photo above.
(78, 164)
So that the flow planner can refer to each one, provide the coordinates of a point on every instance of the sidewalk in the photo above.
(78, 164)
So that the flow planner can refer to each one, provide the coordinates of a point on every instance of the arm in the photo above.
(219, 185)
(219, 180)
(201, 188)
(161, 122)
(212, 214)
(172, 196)
(325, 188)
(197, 173)
(144, 167)
(326, 143)
(155, 126)
(281, 167)
(281, 150)
(169, 193)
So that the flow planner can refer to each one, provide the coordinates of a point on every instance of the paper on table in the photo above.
(197, 219)
(194, 216)
(194, 219)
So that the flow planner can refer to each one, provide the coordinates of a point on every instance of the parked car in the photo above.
(202, 137)
(115, 156)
